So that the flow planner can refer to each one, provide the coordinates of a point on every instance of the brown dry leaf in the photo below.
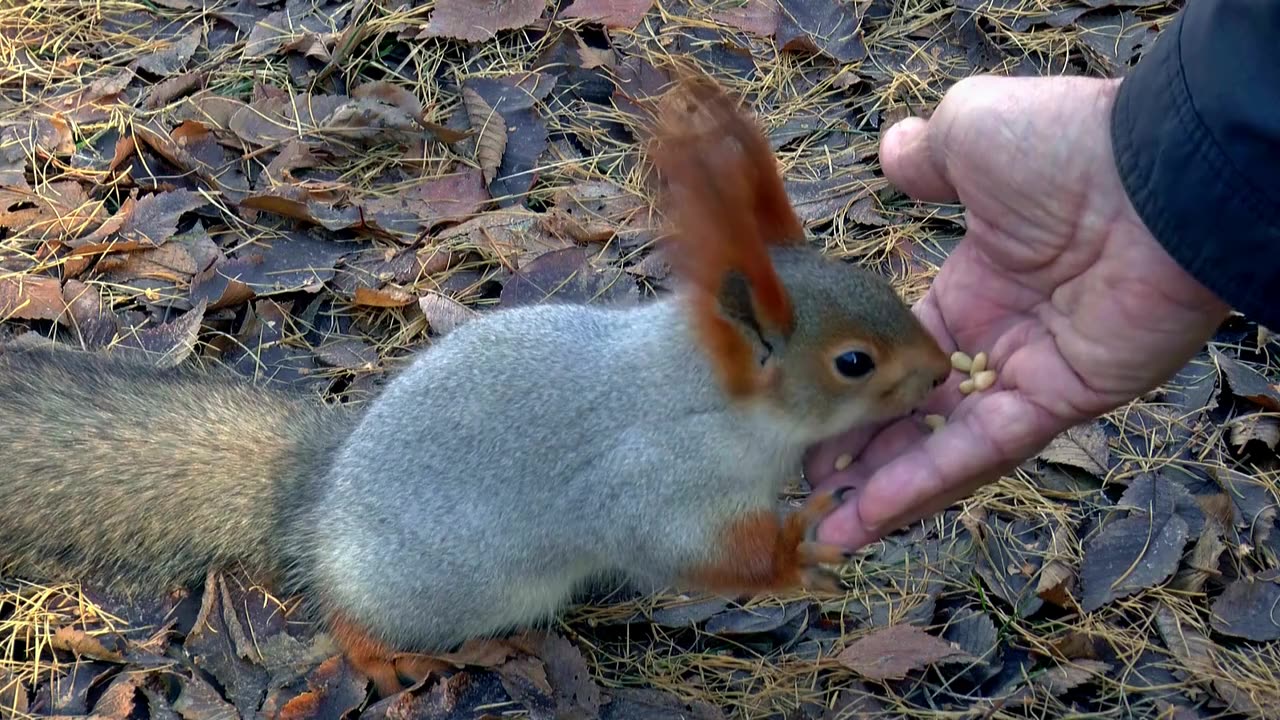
(91, 318)
(1205, 561)
(299, 27)
(831, 28)
(1130, 555)
(61, 210)
(484, 652)
(515, 98)
(568, 275)
(155, 217)
(1083, 446)
(296, 202)
(31, 297)
(892, 652)
(92, 103)
(571, 684)
(1258, 427)
(443, 313)
(294, 156)
(491, 133)
(1247, 383)
(1060, 679)
(386, 297)
(1058, 576)
(758, 17)
(476, 20)
(118, 700)
(1198, 655)
(170, 344)
(333, 691)
(170, 89)
(514, 237)
(348, 354)
(1248, 608)
(13, 693)
(610, 13)
(77, 641)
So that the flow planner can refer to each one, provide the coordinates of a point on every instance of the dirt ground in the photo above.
(310, 190)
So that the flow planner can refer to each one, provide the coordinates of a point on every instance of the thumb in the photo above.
(910, 163)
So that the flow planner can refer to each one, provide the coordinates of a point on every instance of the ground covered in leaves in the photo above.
(309, 190)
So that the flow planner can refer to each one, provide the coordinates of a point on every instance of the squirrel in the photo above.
(493, 475)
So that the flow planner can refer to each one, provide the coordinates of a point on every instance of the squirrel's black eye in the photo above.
(854, 364)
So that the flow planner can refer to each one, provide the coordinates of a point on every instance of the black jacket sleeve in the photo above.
(1196, 134)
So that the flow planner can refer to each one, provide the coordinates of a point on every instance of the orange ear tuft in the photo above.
(726, 203)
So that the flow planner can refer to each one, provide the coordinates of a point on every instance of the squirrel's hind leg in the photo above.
(763, 552)
(378, 662)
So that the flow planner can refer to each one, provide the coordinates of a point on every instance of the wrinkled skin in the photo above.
(1077, 305)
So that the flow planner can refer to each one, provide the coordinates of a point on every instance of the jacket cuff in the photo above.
(1184, 132)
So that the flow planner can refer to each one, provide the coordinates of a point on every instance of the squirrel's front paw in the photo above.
(798, 532)
(766, 552)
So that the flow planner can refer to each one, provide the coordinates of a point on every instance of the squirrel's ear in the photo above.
(726, 205)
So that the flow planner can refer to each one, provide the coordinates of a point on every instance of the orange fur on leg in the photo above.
(369, 657)
(763, 552)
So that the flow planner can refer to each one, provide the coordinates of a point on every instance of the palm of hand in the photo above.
(1078, 308)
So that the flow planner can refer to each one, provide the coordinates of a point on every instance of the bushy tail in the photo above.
(114, 470)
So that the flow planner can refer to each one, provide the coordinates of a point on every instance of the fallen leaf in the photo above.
(212, 644)
(491, 133)
(333, 691)
(645, 704)
(13, 693)
(973, 632)
(572, 686)
(610, 13)
(443, 313)
(476, 20)
(831, 28)
(567, 275)
(288, 263)
(1012, 554)
(386, 297)
(170, 344)
(892, 652)
(513, 97)
(118, 700)
(349, 354)
(167, 90)
(31, 297)
(51, 211)
(754, 620)
(155, 218)
(1129, 555)
(1248, 608)
(1083, 446)
(1199, 657)
(1253, 498)
(93, 102)
(1068, 676)
(1205, 561)
(688, 613)
(77, 641)
(1257, 427)
(1115, 38)
(1247, 383)
(758, 17)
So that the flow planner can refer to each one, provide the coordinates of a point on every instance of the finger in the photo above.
(1000, 432)
(912, 164)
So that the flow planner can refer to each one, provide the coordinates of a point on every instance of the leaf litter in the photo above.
(306, 192)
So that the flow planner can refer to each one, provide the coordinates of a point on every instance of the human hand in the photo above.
(1077, 306)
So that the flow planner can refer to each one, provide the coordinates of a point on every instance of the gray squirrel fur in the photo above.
(525, 453)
